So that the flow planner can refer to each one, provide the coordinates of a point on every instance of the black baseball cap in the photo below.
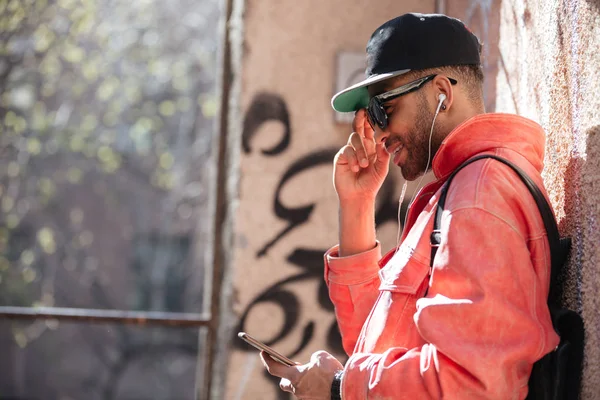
(410, 42)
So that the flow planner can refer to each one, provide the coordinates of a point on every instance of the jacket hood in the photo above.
(485, 133)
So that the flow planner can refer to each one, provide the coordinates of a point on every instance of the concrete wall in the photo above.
(540, 61)
(287, 214)
(549, 66)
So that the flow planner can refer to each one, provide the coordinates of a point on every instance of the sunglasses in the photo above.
(376, 112)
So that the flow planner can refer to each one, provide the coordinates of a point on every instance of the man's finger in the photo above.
(348, 156)
(275, 368)
(359, 149)
(286, 385)
(358, 123)
(361, 125)
(369, 133)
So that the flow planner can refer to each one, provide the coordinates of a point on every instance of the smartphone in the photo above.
(263, 347)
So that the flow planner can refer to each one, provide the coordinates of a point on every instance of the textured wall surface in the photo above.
(549, 66)
(540, 61)
(287, 214)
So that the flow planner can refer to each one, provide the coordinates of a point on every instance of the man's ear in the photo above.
(443, 87)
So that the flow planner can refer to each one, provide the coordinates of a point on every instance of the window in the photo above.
(106, 117)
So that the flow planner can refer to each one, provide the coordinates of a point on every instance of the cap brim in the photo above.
(356, 96)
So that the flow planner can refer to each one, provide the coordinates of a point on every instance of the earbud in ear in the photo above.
(442, 97)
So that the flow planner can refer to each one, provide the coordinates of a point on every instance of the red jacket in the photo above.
(484, 320)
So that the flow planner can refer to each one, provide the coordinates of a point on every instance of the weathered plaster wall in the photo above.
(287, 214)
(549, 70)
(540, 61)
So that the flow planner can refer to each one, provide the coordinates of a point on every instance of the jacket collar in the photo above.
(486, 133)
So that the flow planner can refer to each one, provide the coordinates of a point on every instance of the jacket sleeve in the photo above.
(353, 284)
(484, 321)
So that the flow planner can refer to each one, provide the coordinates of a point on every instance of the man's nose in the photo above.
(381, 135)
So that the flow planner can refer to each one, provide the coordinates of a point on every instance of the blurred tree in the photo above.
(106, 112)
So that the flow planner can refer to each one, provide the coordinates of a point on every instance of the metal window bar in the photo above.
(168, 319)
(138, 318)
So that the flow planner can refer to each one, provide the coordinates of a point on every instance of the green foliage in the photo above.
(106, 111)
(93, 93)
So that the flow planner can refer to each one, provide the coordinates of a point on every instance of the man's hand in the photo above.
(311, 381)
(359, 170)
(361, 166)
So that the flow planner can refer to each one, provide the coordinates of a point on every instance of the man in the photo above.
(473, 325)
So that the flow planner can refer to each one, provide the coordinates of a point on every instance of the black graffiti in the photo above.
(299, 215)
(281, 297)
(312, 260)
(311, 264)
(266, 107)
(309, 261)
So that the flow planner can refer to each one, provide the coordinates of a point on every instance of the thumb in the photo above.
(273, 367)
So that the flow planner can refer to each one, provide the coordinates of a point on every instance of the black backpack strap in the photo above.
(557, 375)
(559, 248)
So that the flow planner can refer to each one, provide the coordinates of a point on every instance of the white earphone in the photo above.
(442, 97)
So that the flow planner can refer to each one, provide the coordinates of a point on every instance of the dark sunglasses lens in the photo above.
(377, 115)
(371, 117)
